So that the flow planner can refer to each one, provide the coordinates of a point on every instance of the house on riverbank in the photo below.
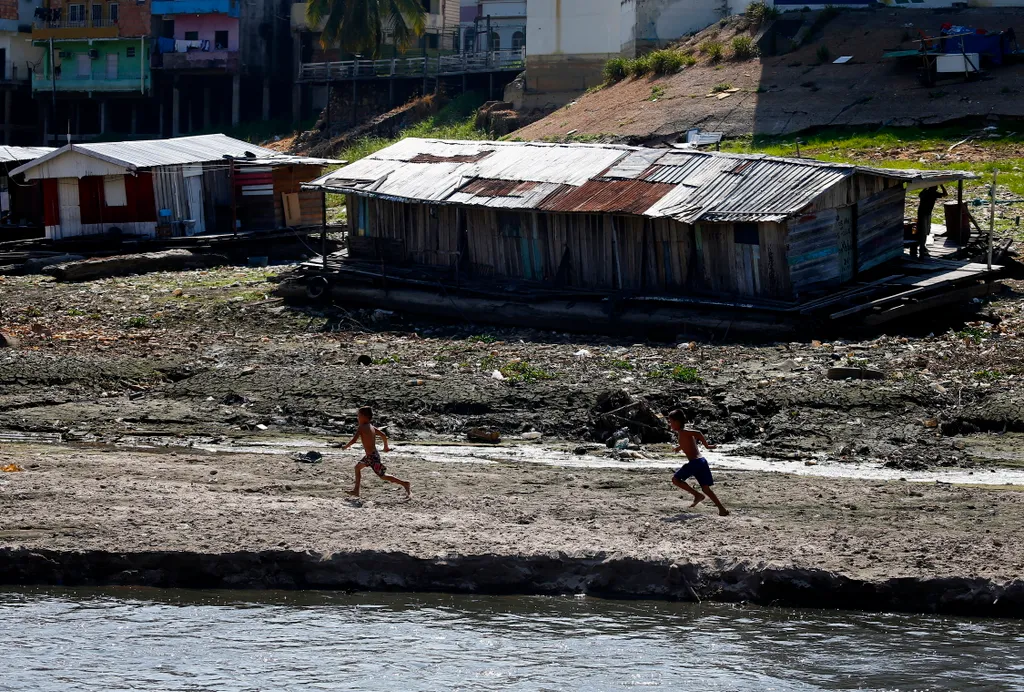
(173, 187)
(607, 221)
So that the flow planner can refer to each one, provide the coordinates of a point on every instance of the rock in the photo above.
(310, 457)
(938, 388)
(846, 373)
(580, 451)
(481, 435)
(7, 341)
(532, 436)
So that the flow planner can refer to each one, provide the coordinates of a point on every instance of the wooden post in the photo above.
(234, 193)
(992, 217)
(323, 227)
(960, 214)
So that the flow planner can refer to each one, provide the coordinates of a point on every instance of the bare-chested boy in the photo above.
(368, 434)
(697, 466)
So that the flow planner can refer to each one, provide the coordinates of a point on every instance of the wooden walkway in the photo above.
(395, 68)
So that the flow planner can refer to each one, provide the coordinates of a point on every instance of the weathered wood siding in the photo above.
(288, 180)
(880, 227)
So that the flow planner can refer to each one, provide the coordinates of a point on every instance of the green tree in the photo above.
(360, 26)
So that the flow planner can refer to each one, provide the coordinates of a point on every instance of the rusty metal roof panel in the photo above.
(619, 196)
(505, 194)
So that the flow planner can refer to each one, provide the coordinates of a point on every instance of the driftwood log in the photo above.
(120, 265)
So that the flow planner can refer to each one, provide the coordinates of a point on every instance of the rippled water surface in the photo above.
(135, 639)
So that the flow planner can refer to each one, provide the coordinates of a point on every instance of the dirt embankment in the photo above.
(80, 515)
(800, 89)
(212, 354)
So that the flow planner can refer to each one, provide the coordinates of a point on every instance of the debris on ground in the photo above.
(617, 412)
(310, 457)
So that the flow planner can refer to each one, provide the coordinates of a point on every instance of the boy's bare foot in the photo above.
(723, 512)
(697, 499)
(407, 486)
(353, 493)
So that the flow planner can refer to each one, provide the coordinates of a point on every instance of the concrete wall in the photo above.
(656, 23)
(568, 42)
(207, 25)
(21, 55)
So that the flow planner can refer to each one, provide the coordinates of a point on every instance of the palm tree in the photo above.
(359, 26)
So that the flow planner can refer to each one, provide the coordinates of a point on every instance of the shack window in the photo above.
(114, 11)
(114, 193)
(746, 234)
(191, 35)
(509, 224)
(220, 40)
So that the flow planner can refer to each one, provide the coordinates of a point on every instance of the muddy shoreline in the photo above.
(79, 515)
(599, 576)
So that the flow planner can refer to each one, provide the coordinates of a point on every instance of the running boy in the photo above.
(697, 466)
(367, 433)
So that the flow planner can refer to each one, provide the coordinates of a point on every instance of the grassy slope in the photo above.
(455, 121)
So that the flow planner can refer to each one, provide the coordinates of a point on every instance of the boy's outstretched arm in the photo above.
(351, 442)
(703, 441)
(380, 433)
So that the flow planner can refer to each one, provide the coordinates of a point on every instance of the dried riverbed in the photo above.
(214, 354)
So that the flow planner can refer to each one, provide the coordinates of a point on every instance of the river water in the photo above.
(154, 640)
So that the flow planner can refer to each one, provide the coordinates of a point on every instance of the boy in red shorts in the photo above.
(697, 466)
(368, 434)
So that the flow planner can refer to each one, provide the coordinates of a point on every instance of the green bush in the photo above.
(824, 54)
(667, 61)
(713, 50)
(760, 11)
(638, 67)
(743, 48)
(616, 69)
(719, 88)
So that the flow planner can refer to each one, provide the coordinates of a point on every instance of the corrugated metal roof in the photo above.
(687, 185)
(619, 196)
(178, 151)
(20, 154)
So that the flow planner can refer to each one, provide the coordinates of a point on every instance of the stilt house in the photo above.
(625, 220)
(173, 187)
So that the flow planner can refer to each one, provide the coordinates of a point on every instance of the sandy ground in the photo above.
(796, 91)
(77, 498)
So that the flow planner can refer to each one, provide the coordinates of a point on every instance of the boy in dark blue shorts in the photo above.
(697, 466)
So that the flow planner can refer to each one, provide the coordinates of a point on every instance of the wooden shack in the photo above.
(624, 220)
(21, 201)
(167, 188)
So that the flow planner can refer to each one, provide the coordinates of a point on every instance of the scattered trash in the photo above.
(938, 388)
(497, 375)
(416, 383)
(930, 423)
(842, 60)
(618, 414)
(810, 462)
(582, 353)
(310, 457)
(11, 468)
(364, 360)
(261, 426)
(532, 436)
(481, 435)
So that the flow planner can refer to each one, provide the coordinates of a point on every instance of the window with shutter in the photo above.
(114, 193)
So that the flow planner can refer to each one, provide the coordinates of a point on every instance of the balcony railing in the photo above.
(66, 23)
(200, 60)
(14, 71)
(445, 65)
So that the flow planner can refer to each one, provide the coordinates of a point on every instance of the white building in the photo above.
(493, 24)
(569, 41)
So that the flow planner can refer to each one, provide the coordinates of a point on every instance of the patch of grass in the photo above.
(457, 120)
(616, 69)
(522, 371)
(482, 339)
(386, 360)
(33, 311)
(620, 364)
(823, 54)
(489, 362)
(75, 312)
(95, 316)
(638, 67)
(760, 11)
(657, 91)
(684, 374)
(987, 375)
(743, 48)
(137, 322)
(721, 88)
(973, 334)
(714, 50)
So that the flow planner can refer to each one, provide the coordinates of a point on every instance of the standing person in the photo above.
(368, 434)
(927, 198)
(697, 466)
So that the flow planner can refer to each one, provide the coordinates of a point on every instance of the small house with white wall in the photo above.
(173, 187)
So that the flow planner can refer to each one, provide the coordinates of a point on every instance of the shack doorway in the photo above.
(194, 192)
(845, 242)
(70, 209)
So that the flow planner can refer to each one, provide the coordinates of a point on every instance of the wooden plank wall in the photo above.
(880, 227)
(217, 196)
(813, 254)
(289, 179)
(598, 251)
